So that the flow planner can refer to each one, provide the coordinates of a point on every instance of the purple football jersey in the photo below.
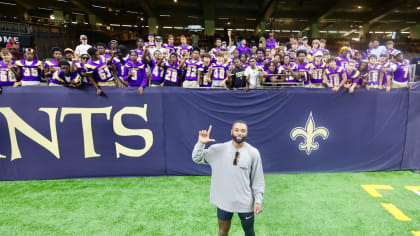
(52, 64)
(100, 70)
(184, 48)
(172, 73)
(334, 76)
(402, 72)
(304, 69)
(353, 76)
(283, 70)
(317, 72)
(171, 48)
(243, 49)
(139, 78)
(60, 78)
(157, 72)
(192, 68)
(30, 71)
(7, 77)
(342, 62)
(218, 71)
(373, 79)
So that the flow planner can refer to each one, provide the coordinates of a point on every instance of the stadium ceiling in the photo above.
(277, 14)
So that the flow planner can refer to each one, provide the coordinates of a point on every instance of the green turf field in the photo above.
(294, 204)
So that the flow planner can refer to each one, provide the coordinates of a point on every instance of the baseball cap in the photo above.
(158, 38)
(304, 38)
(83, 36)
(318, 54)
(68, 50)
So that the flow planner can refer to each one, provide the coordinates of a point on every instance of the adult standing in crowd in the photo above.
(84, 46)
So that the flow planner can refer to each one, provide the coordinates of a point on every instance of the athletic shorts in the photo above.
(225, 215)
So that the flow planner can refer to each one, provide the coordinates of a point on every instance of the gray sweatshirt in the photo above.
(233, 188)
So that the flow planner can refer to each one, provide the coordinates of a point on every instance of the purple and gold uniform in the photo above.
(402, 73)
(334, 76)
(260, 64)
(52, 64)
(30, 71)
(204, 72)
(139, 79)
(184, 48)
(157, 72)
(353, 77)
(60, 78)
(270, 43)
(342, 62)
(81, 69)
(7, 77)
(386, 65)
(172, 74)
(140, 55)
(317, 72)
(303, 68)
(214, 51)
(119, 63)
(373, 78)
(192, 68)
(100, 70)
(283, 70)
(171, 48)
(218, 73)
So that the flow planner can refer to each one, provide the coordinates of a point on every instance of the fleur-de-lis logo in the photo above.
(309, 133)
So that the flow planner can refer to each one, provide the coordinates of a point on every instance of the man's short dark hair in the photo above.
(301, 51)
(56, 49)
(100, 44)
(63, 63)
(240, 122)
(92, 51)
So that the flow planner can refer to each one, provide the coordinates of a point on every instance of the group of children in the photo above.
(154, 63)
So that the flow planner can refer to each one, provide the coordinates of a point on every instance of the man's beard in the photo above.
(237, 139)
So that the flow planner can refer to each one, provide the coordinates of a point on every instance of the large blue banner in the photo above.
(56, 132)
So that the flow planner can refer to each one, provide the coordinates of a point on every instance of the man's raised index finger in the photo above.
(209, 130)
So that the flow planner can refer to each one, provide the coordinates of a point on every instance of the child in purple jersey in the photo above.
(384, 81)
(192, 67)
(334, 77)
(118, 63)
(206, 80)
(215, 50)
(173, 71)
(401, 72)
(288, 69)
(364, 74)
(270, 75)
(260, 58)
(99, 72)
(316, 70)
(29, 69)
(342, 59)
(352, 75)
(156, 70)
(303, 68)
(51, 66)
(374, 69)
(8, 69)
(151, 41)
(218, 71)
(64, 76)
(170, 45)
(184, 48)
(135, 73)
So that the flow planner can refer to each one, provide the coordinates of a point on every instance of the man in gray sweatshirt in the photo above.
(237, 180)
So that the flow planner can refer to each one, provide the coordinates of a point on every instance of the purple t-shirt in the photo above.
(241, 49)
(270, 43)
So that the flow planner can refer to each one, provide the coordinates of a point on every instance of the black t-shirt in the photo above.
(416, 61)
(238, 78)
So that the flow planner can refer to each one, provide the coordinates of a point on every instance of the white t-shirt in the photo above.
(254, 77)
(82, 49)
